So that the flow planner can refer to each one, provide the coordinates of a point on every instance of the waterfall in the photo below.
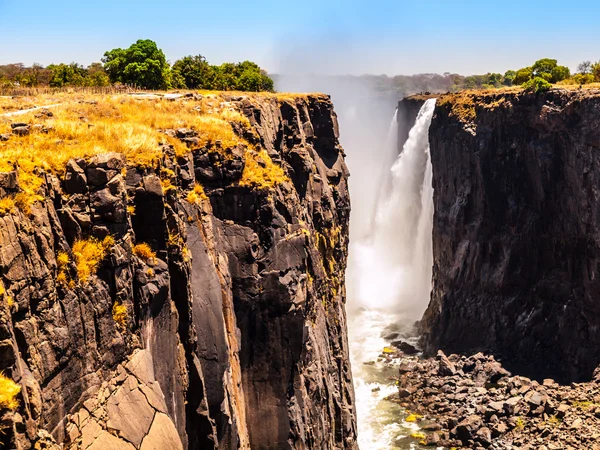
(390, 273)
(390, 154)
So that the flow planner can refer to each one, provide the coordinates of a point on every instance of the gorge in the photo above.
(214, 315)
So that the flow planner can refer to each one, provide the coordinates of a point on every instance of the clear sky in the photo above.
(311, 36)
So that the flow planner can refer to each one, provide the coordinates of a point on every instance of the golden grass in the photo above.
(196, 195)
(8, 393)
(88, 254)
(119, 313)
(9, 300)
(144, 251)
(11, 104)
(88, 125)
(7, 205)
(261, 172)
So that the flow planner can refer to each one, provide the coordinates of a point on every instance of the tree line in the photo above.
(143, 64)
(542, 73)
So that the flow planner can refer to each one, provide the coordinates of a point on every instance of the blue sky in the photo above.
(401, 36)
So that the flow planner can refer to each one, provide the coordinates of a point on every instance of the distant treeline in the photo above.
(548, 70)
(144, 65)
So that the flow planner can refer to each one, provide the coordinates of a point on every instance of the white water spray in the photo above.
(390, 278)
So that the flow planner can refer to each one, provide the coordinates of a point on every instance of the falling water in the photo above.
(390, 275)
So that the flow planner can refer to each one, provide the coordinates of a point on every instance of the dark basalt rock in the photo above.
(235, 333)
(515, 233)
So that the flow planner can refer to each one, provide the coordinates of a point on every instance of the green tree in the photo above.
(494, 79)
(97, 76)
(192, 72)
(509, 77)
(560, 73)
(523, 75)
(142, 64)
(67, 75)
(544, 66)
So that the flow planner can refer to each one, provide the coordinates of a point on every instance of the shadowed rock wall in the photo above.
(516, 230)
(235, 334)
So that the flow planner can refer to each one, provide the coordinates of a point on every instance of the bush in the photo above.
(583, 78)
(537, 85)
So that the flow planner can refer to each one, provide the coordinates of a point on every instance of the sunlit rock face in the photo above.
(232, 336)
(516, 230)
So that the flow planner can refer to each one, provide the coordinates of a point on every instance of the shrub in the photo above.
(537, 85)
(583, 78)
(62, 260)
(8, 393)
(144, 251)
(596, 71)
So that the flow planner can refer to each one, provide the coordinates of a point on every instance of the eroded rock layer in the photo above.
(516, 230)
(233, 336)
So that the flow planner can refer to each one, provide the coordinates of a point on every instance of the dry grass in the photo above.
(88, 254)
(11, 104)
(119, 313)
(261, 172)
(7, 205)
(144, 252)
(8, 393)
(196, 195)
(131, 126)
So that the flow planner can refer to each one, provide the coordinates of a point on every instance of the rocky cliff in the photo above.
(171, 305)
(516, 230)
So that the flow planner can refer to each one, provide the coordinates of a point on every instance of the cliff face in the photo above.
(516, 230)
(232, 336)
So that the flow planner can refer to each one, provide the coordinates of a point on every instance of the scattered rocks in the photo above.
(20, 128)
(475, 403)
(405, 347)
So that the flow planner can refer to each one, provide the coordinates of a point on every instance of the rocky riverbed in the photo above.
(473, 402)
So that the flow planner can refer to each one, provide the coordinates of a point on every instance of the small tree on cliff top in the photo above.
(142, 64)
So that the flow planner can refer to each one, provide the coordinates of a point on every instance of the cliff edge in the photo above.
(516, 237)
(172, 275)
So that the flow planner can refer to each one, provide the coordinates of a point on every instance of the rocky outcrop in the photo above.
(232, 336)
(480, 405)
(516, 230)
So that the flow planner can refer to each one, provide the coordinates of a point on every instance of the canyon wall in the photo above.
(232, 336)
(516, 233)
